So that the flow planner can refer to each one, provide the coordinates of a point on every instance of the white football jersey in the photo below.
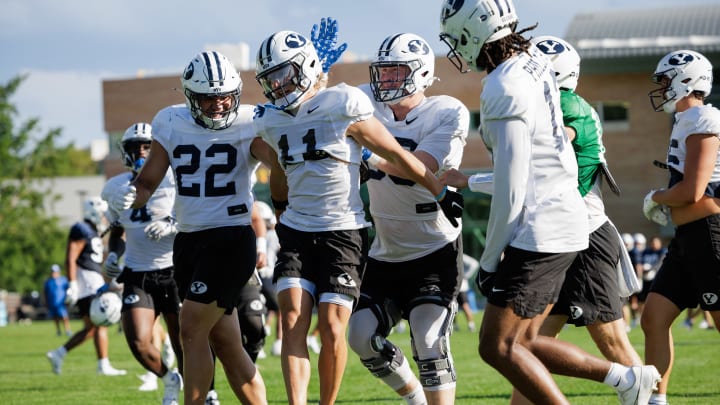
(321, 162)
(697, 120)
(213, 169)
(536, 205)
(141, 253)
(408, 220)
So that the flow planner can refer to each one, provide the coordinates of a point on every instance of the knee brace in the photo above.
(389, 357)
(438, 371)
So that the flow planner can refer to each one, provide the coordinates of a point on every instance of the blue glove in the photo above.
(105, 287)
(324, 38)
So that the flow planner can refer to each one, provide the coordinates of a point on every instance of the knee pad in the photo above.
(389, 357)
(253, 333)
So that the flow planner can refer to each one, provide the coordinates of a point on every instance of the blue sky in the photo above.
(68, 47)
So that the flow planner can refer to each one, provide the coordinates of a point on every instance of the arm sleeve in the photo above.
(511, 166)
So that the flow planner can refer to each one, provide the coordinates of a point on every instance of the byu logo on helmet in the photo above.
(295, 40)
(550, 47)
(189, 71)
(450, 8)
(680, 59)
(419, 47)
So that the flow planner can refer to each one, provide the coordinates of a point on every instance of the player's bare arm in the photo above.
(152, 173)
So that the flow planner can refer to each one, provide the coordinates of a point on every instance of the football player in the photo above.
(318, 133)
(690, 273)
(590, 295)
(83, 261)
(538, 220)
(144, 236)
(415, 245)
(211, 147)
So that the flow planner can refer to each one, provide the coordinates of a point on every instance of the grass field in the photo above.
(25, 376)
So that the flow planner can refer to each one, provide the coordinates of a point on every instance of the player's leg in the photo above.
(430, 327)
(196, 321)
(656, 324)
(612, 340)
(243, 377)
(333, 318)
(138, 324)
(296, 314)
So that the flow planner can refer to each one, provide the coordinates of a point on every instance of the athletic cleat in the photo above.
(646, 381)
(261, 354)
(212, 398)
(173, 385)
(56, 361)
(110, 371)
(149, 380)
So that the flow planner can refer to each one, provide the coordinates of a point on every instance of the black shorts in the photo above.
(83, 305)
(690, 272)
(270, 294)
(333, 260)
(462, 298)
(434, 278)
(154, 290)
(214, 264)
(590, 292)
(252, 302)
(529, 281)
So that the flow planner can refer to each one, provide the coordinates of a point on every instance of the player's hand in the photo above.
(111, 268)
(485, 281)
(71, 295)
(452, 204)
(454, 178)
(655, 212)
(160, 229)
(122, 198)
(324, 38)
(265, 272)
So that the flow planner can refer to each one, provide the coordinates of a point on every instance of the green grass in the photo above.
(25, 376)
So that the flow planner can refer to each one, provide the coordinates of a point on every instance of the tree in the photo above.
(30, 239)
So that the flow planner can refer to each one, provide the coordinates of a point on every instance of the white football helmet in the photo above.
(467, 25)
(680, 73)
(287, 68)
(105, 309)
(137, 134)
(94, 209)
(402, 50)
(564, 57)
(211, 75)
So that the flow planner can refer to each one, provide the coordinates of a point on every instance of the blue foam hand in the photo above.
(324, 38)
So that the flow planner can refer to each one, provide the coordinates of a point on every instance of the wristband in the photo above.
(279, 205)
(440, 196)
(261, 243)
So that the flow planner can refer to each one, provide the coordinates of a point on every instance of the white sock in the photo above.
(61, 351)
(104, 363)
(169, 377)
(416, 397)
(658, 399)
(619, 377)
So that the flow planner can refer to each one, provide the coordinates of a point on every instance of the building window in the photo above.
(614, 115)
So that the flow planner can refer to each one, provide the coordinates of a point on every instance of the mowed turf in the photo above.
(26, 377)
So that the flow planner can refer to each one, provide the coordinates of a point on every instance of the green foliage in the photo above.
(27, 379)
(30, 240)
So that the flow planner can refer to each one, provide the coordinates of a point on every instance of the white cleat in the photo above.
(173, 384)
(149, 380)
(110, 371)
(212, 398)
(646, 381)
(56, 361)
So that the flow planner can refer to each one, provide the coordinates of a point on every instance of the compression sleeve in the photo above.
(511, 168)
